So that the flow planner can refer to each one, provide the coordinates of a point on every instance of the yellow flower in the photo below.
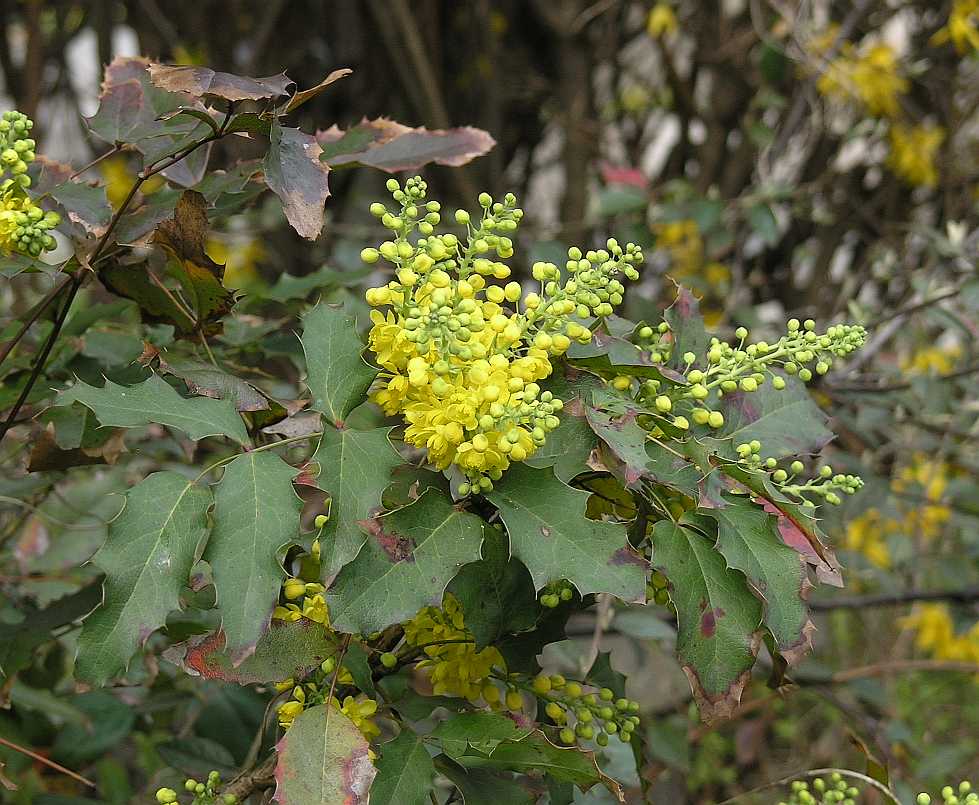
(359, 710)
(456, 667)
(661, 21)
(288, 711)
(872, 78)
(864, 535)
(936, 635)
(913, 150)
(240, 256)
(932, 360)
(962, 28)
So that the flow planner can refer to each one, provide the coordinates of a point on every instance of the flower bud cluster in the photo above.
(460, 366)
(205, 793)
(24, 227)
(823, 792)
(825, 485)
(556, 592)
(585, 716)
(963, 795)
(658, 589)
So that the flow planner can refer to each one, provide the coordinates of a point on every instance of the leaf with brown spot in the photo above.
(201, 81)
(323, 760)
(295, 173)
(287, 649)
(393, 147)
(409, 557)
(718, 618)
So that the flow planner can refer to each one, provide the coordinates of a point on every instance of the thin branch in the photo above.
(966, 595)
(46, 762)
(34, 315)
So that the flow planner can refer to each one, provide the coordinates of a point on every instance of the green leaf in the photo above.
(569, 446)
(404, 772)
(748, 538)
(717, 616)
(288, 287)
(408, 559)
(601, 674)
(294, 172)
(482, 730)
(196, 756)
(109, 722)
(611, 354)
(536, 754)
(147, 559)
(687, 327)
(323, 760)
(85, 204)
(762, 220)
(18, 640)
(207, 380)
(256, 512)
(551, 536)
(287, 649)
(786, 422)
(484, 787)
(155, 401)
(496, 593)
(355, 468)
(336, 373)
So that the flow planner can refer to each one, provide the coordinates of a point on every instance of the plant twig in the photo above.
(50, 763)
(965, 595)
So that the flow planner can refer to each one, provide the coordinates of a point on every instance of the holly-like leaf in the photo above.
(611, 354)
(481, 730)
(404, 772)
(496, 593)
(550, 535)
(336, 373)
(393, 147)
(147, 558)
(294, 172)
(18, 640)
(306, 95)
(355, 468)
(256, 512)
(601, 674)
(717, 616)
(288, 649)
(686, 327)
(323, 760)
(85, 204)
(748, 538)
(201, 81)
(408, 559)
(569, 446)
(154, 400)
(536, 754)
(786, 422)
(207, 380)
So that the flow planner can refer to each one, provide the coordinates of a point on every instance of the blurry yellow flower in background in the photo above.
(240, 254)
(932, 361)
(118, 175)
(962, 29)
(865, 535)
(873, 78)
(913, 151)
(925, 481)
(935, 634)
(661, 21)
(688, 263)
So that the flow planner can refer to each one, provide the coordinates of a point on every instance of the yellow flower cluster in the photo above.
(708, 278)
(927, 479)
(865, 535)
(661, 21)
(358, 709)
(962, 28)
(932, 360)
(873, 78)
(24, 227)
(935, 634)
(913, 151)
(457, 364)
(457, 668)
(303, 600)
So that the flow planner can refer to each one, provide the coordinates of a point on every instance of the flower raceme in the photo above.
(24, 227)
(458, 362)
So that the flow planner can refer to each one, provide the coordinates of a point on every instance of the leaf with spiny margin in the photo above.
(786, 422)
(569, 445)
(147, 558)
(687, 327)
(409, 557)
(256, 512)
(717, 615)
(550, 535)
(404, 771)
(156, 401)
(611, 354)
(355, 468)
(481, 730)
(536, 754)
(336, 373)
(287, 649)
(496, 593)
(323, 760)
(748, 538)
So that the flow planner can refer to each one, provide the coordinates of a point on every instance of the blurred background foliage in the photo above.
(780, 158)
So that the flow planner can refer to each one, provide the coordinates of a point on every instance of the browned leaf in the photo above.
(200, 81)
(392, 147)
(305, 95)
(294, 172)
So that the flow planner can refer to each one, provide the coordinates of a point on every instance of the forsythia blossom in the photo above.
(913, 150)
(872, 77)
(458, 364)
(962, 28)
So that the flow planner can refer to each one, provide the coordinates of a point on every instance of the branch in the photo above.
(966, 595)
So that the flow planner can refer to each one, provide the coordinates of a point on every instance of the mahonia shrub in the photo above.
(492, 460)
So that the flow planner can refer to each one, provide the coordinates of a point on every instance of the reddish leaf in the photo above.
(201, 81)
(393, 147)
